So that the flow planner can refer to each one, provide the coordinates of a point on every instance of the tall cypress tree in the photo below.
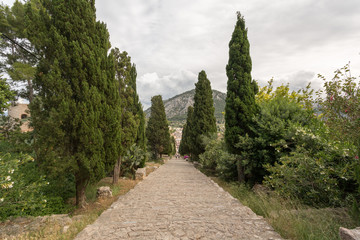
(186, 138)
(138, 111)
(128, 119)
(75, 114)
(241, 89)
(203, 122)
(157, 131)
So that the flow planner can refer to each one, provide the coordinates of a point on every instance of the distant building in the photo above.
(21, 111)
(177, 133)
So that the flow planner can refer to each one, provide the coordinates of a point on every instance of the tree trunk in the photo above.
(240, 171)
(31, 90)
(117, 171)
(81, 184)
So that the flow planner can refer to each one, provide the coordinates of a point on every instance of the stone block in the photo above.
(140, 174)
(104, 192)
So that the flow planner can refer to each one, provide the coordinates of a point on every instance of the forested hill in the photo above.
(176, 107)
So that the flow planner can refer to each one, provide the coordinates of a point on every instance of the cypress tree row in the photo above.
(75, 115)
(203, 120)
(128, 119)
(241, 90)
(138, 111)
(186, 138)
(157, 131)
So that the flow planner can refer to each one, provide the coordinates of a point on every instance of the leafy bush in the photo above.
(21, 188)
(306, 178)
(279, 110)
(217, 159)
(135, 158)
(316, 166)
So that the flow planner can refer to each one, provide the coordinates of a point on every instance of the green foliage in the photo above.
(241, 89)
(340, 107)
(21, 187)
(76, 112)
(203, 119)
(17, 142)
(173, 146)
(339, 104)
(302, 159)
(137, 111)
(157, 131)
(279, 111)
(292, 219)
(135, 158)
(314, 181)
(129, 122)
(56, 191)
(217, 159)
(8, 125)
(6, 95)
(141, 140)
(18, 63)
(186, 136)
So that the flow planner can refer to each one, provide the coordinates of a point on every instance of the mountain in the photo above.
(176, 107)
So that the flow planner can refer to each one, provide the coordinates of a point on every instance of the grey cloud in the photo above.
(287, 39)
(151, 84)
(298, 80)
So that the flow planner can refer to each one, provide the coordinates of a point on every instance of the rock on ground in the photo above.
(349, 234)
(140, 174)
(178, 202)
(103, 192)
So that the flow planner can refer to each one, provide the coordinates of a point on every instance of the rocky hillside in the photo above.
(176, 107)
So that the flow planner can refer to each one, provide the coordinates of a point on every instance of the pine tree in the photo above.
(186, 138)
(157, 131)
(204, 122)
(241, 89)
(76, 113)
(18, 63)
(128, 118)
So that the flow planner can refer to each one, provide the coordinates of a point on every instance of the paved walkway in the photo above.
(178, 202)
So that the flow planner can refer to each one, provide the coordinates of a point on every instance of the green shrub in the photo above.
(214, 148)
(217, 159)
(20, 187)
(318, 172)
(135, 158)
(24, 190)
(279, 110)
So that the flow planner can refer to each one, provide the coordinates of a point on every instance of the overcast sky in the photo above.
(171, 41)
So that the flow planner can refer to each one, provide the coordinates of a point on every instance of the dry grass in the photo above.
(152, 166)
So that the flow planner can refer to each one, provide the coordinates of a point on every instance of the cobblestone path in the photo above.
(178, 202)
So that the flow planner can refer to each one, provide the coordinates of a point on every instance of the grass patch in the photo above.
(80, 218)
(289, 218)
